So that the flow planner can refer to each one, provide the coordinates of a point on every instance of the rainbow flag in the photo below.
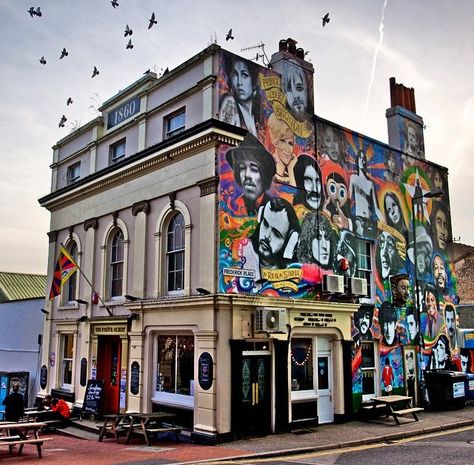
(64, 269)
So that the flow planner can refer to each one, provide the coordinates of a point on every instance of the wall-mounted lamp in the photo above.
(82, 319)
(131, 297)
(44, 311)
(80, 301)
(202, 291)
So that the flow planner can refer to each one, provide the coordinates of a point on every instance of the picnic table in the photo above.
(16, 434)
(145, 424)
(396, 406)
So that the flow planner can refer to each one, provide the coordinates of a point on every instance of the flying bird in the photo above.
(128, 31)
(152, 21)
(42, 60)
(326, 19)
(229, 35)
(129, 45)
(69, 101)
(62, 121)
(95, 72)
(114, 3)
(34, 12)
(64, 53)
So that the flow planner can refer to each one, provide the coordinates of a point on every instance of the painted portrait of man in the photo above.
(254, 168)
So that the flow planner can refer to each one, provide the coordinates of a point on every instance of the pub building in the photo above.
(238, 255)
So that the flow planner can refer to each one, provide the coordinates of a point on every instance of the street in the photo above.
(454, 448)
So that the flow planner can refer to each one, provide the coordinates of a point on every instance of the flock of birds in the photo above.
(36, 11)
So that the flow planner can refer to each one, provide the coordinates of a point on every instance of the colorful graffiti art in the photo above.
(298, 194)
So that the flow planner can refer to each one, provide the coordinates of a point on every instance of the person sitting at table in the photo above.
(14, 404)
(59, 411)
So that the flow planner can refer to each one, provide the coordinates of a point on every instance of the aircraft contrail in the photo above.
(374, 62)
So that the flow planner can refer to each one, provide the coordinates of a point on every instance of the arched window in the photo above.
(175, 254)
(71, 283)
(116, 264)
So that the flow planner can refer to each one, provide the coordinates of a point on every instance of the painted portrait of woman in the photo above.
(241, 107)
(394, 213)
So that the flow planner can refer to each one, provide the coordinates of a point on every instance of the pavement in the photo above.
(74, 446)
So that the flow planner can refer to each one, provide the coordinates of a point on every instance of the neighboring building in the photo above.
(232, 239)
(21, 299)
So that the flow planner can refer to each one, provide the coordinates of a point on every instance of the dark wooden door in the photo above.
(254, 395)
(108, 369)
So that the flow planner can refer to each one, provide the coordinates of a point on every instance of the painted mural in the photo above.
(299, 194)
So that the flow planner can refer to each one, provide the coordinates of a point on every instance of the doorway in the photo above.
(251, 392)
(324, 364)
(108, 369)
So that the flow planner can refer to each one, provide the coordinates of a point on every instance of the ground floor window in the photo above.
(67, 358)
(369, 375)
(175, 368)
(302, 363)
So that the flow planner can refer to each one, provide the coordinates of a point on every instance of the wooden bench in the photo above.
(21, 442)
(165, 429)
(407, 411)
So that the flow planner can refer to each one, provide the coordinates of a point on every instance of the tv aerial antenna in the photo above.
(261, 54)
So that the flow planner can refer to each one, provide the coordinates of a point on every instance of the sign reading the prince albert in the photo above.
(206, 370)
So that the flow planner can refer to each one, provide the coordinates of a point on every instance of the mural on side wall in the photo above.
(297, 197)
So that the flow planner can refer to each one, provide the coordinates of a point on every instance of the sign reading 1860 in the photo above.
(123, 112)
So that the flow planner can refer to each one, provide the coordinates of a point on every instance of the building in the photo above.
(21, 298)
(239, 250)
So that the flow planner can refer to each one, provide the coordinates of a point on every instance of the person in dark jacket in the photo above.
(14, 404)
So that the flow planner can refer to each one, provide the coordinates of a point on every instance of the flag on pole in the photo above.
(64, 269)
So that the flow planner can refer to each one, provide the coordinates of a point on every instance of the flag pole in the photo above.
(90, 284)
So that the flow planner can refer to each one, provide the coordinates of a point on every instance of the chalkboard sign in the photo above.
(205, 370)
(43, 377)
(94, 397)
(135, 378)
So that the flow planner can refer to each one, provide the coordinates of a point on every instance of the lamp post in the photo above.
(427, 195)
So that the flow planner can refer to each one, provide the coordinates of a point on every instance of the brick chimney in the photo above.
(405, 127)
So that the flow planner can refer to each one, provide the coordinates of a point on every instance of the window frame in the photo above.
(370, 369)
(175, 253)
(367, 273)
(169, 121)
(66, 361)
(113, 148)
(115, 264)
(306, 394)
(173, 398)
(72, 284)
(71, 169)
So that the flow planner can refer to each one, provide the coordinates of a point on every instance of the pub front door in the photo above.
(251, 413)
(108, 369)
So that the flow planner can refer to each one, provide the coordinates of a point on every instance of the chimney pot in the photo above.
(282, 46)
(300, 53)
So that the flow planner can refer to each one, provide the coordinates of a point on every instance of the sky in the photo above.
(427, 45)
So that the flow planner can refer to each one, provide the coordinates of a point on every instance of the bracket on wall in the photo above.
(172, 196)
(115, 216)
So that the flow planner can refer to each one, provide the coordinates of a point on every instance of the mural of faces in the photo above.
(242, 83)
(330, 143)
(308, 182)
(439, 273)
(295, 88)
(450, 320)
(440, 354)
(317, 241)
(387, 254)
(282, 138)
(363, 321)
(465, 356)
(400, 289)
(440, 226)
(388, 323)
(412, 326)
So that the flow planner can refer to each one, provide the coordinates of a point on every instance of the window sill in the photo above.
(175, 400)
(68, 306)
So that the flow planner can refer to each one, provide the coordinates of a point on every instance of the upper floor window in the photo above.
(117, 151)
(73, 172)
(364, 264)
(71, 283)
(116, 264)
(175, 123)
(175, 254)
